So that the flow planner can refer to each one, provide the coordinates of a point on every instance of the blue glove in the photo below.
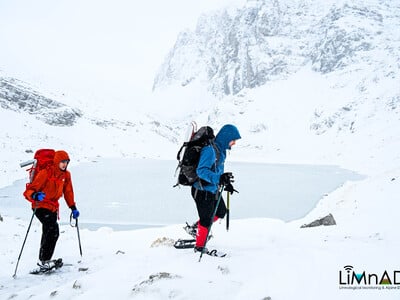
(38, 196)
(75, 213)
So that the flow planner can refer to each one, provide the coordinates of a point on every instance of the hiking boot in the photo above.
(46, 265)
(200, 249)
(191, 229)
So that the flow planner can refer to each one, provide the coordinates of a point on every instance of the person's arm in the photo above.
(37, 185)
(206, 166)
(68, 191)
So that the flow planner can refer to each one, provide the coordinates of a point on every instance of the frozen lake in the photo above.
(135, 193)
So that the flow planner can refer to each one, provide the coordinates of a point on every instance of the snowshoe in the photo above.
(47, 266)
(216, 253)
(184, 244)
(213, 252)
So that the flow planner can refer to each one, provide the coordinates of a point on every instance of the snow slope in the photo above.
(266, 258)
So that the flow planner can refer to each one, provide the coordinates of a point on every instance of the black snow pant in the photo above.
(205, 203)
(50, 233)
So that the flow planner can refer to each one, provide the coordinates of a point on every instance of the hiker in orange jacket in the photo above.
(48, 186)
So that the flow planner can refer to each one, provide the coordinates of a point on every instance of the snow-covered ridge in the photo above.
(20, 97)
(17, 96)
(36, 119)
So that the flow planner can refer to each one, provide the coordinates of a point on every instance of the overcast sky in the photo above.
(93, 47)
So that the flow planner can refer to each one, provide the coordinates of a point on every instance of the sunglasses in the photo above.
(65, 161)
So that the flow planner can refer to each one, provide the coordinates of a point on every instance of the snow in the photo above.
(348, 118)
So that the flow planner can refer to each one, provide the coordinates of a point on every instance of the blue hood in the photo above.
(226, 134)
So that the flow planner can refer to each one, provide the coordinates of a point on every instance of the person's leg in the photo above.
(205, 208)
(50, 233)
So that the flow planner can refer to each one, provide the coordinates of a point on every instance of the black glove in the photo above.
(230, 189)
(226, 178)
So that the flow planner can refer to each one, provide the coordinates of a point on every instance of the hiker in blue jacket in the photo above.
(211, 175)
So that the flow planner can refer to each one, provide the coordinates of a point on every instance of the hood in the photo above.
(59, 156)
(226, 134)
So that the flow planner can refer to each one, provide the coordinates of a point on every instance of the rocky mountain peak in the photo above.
(267, 40)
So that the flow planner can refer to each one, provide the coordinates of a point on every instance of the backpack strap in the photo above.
(217, 153)
(178, 155)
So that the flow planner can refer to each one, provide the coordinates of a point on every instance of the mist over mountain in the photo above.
(232, 50)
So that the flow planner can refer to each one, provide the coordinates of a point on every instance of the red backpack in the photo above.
(43, 159)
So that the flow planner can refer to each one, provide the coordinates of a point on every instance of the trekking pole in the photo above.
(23, 244)
(212, 218)
(77, 229)
(227, 211)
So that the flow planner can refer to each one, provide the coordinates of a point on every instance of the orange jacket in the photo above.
(54, 182)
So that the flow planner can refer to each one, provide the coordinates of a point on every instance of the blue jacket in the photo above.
(209, 169)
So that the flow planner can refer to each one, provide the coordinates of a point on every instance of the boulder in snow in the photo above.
(326, 221)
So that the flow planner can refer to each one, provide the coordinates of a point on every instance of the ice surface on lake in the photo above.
(132, 193)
